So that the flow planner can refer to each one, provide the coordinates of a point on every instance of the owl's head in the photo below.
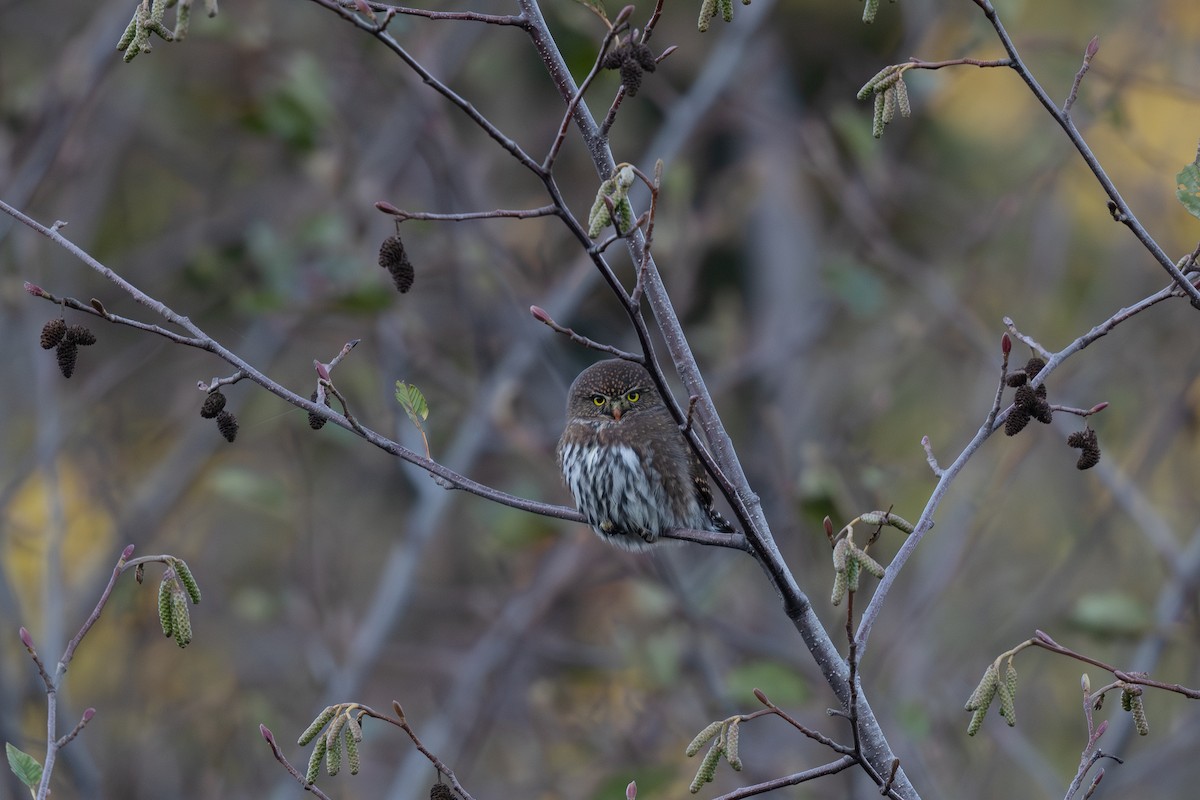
(611, 390)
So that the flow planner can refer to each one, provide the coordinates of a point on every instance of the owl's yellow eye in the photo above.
(633, 396)
(599, 399)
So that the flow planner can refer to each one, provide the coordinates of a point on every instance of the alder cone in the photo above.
(394, 259)
(66, 353)
(53, 333)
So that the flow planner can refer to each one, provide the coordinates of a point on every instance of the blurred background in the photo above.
(844, 298)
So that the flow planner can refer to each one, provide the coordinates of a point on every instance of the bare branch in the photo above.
(1126, 215)
(282, 759)
(499, 213)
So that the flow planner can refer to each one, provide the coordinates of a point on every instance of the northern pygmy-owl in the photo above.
(632, 473)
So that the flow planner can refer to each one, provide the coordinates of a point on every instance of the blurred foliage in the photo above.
(843, 295)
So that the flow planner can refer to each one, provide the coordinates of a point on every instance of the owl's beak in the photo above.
(616, 412)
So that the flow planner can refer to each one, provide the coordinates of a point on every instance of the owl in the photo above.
(632, 473)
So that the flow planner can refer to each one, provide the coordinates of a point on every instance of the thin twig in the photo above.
(499, 213)
(930, 457)
(1126, 215)
(1005, 350)
(54, 683)
(816, 736)
(218, 382)
(947, 475)
(456, 16)
(1043, 641)
(613, 32)
(733, 541)
(205, 342)
(401, 722)
(88, 713)
(832, 768)
(88, 308)
(958, 62)
(1088, 54)
(282, 759)
(541, 316)
(520, 21)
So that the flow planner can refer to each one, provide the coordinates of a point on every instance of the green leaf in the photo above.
(1188, 188)
(24, 766)
(412, 401)
(1110, 614)
(782, 683)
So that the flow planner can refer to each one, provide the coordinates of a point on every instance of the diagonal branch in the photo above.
(203, 341)
(1122, 211)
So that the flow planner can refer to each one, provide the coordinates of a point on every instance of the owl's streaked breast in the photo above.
(631, 472)
(622, 499)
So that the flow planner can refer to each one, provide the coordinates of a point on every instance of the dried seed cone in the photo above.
(227, 424)
(1018, 418)
(1033, 366)
(314, 421)
(1042, 412)
(393, 258)
(1016, 379)
(615, 57)
(213, 405)
(440, 791)
(631, 76)
(644, 56)
(53, 332)
(81, 335)
(1086, 441)
(1025, 398)
(66, 352)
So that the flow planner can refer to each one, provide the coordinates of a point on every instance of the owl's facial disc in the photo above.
(620, 406)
